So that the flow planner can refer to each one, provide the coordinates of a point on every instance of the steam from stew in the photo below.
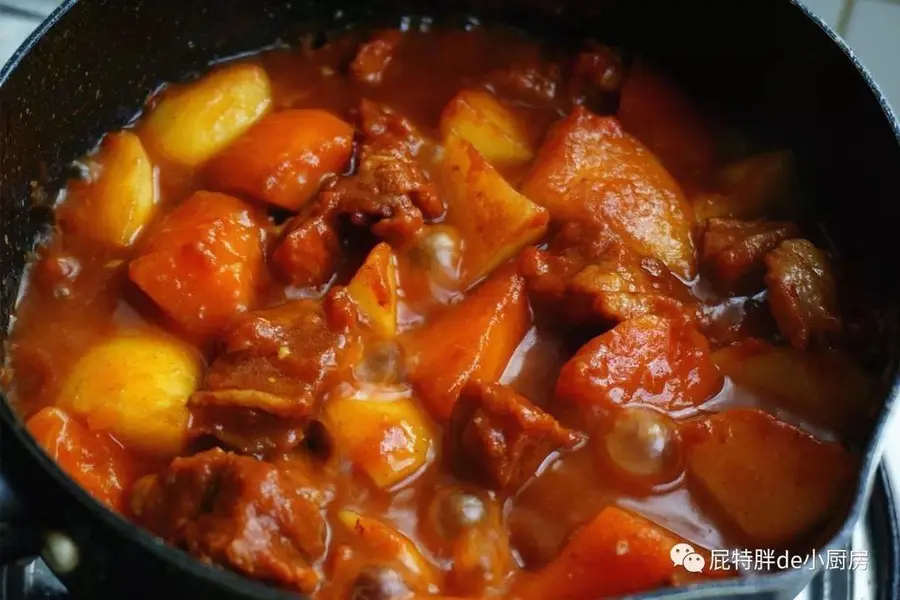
(443, 313)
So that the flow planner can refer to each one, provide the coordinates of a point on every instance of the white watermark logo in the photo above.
(762, 559)
(683, 555)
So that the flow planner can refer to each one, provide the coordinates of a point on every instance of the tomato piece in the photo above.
(94, 460)
(648, 360)
(202, 265)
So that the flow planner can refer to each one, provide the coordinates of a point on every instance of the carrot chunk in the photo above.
(202, 265)
(94, 460)
(473, 339)
(282, 159)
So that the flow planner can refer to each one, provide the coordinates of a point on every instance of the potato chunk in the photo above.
(472, 339)
(493, 128)
(494, 220)
(821, 387)
(283, 158)
(375, 541)
(616, 553)
(382, 431)
(771, 480)
(93, 459)
(648, 360)
(374, 290)
(135, 386)
(656, 111)
(119, 197)
(193, 122)
(590, 170)
(202, 265)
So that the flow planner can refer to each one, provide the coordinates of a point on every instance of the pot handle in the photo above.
(19, 540)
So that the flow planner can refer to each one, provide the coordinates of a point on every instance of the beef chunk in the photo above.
(278, 360)
(598, 72)
(390, 194)
(390, 191)
(588, 276)
(247, 431)
(239, 513)
(502, 436)
(734, 250)
(802, 292)
(374, 56)
(531, 81)
(309, 250)
(383, 126)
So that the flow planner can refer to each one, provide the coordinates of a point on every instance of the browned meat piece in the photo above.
(390, 193)
(278, 360)
(382, 127)
(246, 431)
(802, 292)
(501, 436)
(309, 251)
(597, 73)
(588, 276)
(375, 55)
(729, 320)
(531, 81)
(388, 171)
(733, 251)
(385, 194)
(239, 513)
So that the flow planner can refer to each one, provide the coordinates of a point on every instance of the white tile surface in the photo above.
(874, 34)
(13, 31)
(827, 10)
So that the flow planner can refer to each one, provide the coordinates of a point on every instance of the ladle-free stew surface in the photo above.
(443, 313)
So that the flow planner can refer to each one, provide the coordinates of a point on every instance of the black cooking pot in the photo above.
(774, 70)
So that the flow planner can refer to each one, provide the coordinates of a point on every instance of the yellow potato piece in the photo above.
(490, 126)
(379, 540)
(192, 123)
(772, 481)
(135, 386)
(494, 220)
(382, 432)
(119, 197)
(821, 387)
(374, 290)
